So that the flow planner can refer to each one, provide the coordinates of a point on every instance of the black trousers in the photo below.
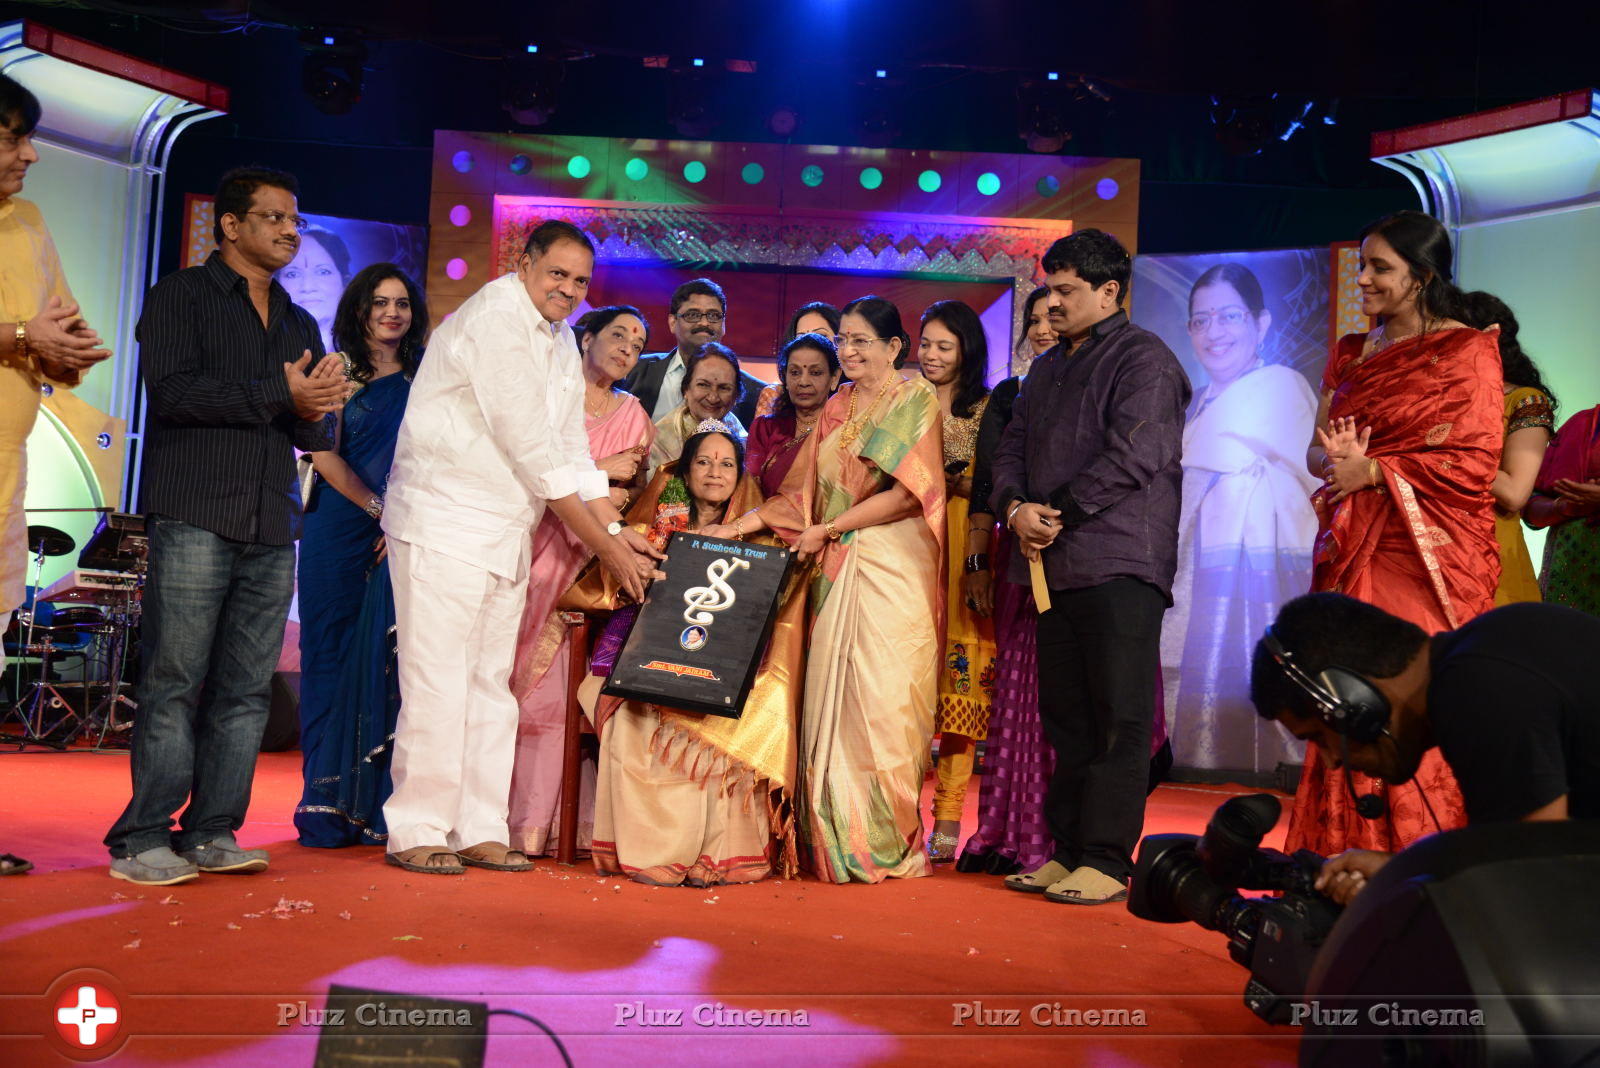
(1099, 653)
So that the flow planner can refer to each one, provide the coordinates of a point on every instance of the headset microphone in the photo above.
(1371, 806)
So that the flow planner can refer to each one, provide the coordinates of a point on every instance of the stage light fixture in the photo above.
(1054, 76)
(530, 87)
(880, 73)
(1247, 123)
(579, 167)
(878, 121)
(988, 183)
(636, 169)
(689, 103)
(752, 173)
(871, 178)
(1042, 109)
(533, 50)
(699, 62)
(783, 121)
(929, 181)
(812, 175)
(694, 172)
(332, 73)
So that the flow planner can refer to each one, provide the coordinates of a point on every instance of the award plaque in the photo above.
(699, 639)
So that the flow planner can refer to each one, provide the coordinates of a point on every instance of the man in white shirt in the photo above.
(493, 433)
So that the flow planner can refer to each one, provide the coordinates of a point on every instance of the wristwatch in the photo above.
(614, 527)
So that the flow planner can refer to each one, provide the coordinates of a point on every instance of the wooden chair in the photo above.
(577, 726)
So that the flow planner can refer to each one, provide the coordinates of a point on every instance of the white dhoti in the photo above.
(456, 737)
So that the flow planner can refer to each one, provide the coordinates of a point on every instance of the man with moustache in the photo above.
(236, 383)
(1087, 476)
(697, 314)
(493, 435)
(43, 342)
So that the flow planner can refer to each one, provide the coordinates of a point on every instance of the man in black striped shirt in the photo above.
(236, 382)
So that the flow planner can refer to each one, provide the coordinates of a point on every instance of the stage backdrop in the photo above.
(775, 225)
(332, 250)
(1252, 329)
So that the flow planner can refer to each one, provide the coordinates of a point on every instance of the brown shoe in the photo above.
(424, 860)
(496, 856)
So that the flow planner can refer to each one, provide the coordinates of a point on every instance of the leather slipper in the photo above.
(495, 856)
(11, 864)
(408, 859)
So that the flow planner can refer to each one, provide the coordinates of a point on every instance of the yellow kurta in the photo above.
(30, 274)
(966, 675)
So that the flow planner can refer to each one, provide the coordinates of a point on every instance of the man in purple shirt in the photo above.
(1087, 477)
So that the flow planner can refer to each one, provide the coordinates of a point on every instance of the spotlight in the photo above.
(533, 50)
(880, 73)
(689, 104)
(331, 75)
(1054, 76)
(1243, 123)
(1247, 123)
(530, 88)
(783, 121)
(1042, 109)
(699, 62)
(1297, 123)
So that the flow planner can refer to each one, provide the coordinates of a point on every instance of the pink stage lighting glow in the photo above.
(456, 268)
(460, 215)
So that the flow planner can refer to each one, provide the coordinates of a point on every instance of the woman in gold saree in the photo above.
(866, 501)
(685, 798)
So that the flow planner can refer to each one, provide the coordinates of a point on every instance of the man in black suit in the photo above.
(698, 314)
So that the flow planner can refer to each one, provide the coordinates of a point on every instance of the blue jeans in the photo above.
(214, 611)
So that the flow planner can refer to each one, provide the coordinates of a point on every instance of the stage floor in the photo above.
(214, 972)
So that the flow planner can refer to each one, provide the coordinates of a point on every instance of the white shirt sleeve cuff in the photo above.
(593, 484)
(557, 482)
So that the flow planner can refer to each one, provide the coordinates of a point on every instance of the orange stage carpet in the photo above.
(213, 972)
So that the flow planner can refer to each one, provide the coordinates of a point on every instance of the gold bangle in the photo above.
(1374, 475)
(738, 527)
(21, 346)
(831, 530)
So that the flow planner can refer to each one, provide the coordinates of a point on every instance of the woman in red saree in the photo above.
(1408, 441)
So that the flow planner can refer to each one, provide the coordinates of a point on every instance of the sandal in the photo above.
(1040, 879)
(419, 859)
(14, 865)
(1087, 886)
(495, 856)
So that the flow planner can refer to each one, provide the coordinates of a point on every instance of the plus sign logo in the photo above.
(88, 1016)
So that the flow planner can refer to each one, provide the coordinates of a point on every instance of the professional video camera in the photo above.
(1181, 877)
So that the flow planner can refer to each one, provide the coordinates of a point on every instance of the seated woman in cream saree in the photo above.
(865, 499)
(685, 798)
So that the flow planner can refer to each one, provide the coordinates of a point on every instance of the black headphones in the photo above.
(1346, 701)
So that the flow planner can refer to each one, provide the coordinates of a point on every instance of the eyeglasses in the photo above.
(1228, 317)
(857, 341)
(694, 317)
(277, 218)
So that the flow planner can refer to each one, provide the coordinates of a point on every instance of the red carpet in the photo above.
(878, 974)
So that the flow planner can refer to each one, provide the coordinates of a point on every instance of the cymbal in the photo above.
(54, 542)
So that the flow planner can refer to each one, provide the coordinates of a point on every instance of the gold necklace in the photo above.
(851, 430)
(1384, 340)
(593, 414)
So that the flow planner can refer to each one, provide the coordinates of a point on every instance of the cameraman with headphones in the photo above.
(1512, 700)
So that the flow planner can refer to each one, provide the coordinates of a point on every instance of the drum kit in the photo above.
(94, 606)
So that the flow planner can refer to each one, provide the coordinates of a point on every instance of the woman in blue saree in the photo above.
(349, 696)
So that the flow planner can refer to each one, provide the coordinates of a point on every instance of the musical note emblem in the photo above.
(704, 601)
